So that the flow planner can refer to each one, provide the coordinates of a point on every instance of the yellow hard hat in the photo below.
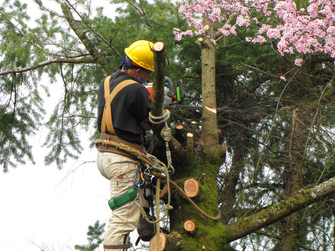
(141, 54)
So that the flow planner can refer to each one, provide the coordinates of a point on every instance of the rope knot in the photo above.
(159, 119)
(166, 133)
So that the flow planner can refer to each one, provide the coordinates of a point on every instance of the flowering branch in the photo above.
(304, 30)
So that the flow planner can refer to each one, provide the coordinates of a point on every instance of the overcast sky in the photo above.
(43, 207)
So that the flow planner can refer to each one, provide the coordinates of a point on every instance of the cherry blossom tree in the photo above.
(302, 27)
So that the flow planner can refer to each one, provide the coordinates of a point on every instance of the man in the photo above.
(123, 109)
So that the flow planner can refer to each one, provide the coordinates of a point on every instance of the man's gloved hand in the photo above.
(167, 101)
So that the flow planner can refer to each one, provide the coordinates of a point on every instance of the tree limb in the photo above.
(281, 210)
(93, 31)
(142, 13)
(48, 62)
(97, 56)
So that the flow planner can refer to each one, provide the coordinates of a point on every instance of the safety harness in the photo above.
(111, 142)
(107, 120)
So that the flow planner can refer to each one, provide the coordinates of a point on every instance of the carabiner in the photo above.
(143, 180)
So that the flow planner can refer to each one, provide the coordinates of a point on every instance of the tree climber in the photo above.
(123, 109)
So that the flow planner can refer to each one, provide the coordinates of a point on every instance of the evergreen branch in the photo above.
(274, 236)
(93, 31)
(142, 13)
(49, 62)
(89, 45)
(24, 35)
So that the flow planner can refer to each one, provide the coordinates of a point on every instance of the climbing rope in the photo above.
(158, 228)
(159, 119)
(195, 205)
(157, 168)
(166, 135)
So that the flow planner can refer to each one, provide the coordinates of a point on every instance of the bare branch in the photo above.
(142, 13)
(48, 62)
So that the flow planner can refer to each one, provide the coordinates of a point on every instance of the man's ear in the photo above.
(137, 71)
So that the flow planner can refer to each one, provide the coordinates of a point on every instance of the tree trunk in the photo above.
(210, 131)
(290, 226)
(229, 192)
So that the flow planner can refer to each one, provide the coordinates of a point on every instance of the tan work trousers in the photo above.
(120, 170)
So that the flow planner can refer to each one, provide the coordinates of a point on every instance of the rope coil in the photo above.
(157, 168)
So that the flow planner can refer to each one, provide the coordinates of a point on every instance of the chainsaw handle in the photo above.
(180, 92)
(172, 92)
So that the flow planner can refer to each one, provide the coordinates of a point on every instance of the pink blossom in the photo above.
(213, 41)
(243, 21)
(273, 33)
(298, 61)
(282, 78)
(177, 36)
(259, 39)
(298, 30)
(264, 28)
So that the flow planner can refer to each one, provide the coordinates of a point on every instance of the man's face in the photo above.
(144, 74)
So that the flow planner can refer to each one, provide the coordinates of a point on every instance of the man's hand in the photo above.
(145, 124)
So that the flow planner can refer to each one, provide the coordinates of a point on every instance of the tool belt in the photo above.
(114, 138)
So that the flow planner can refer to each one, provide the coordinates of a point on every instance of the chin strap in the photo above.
(139, 78)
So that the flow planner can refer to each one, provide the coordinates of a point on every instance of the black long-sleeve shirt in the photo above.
(129, 107)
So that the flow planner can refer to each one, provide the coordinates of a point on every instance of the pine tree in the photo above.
(94, 237)
(272, 189)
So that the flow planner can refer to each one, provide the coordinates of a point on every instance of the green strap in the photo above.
(114, 203)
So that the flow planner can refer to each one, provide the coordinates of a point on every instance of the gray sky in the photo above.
(42, 206)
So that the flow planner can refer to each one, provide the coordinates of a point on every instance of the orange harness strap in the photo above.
(107, 120)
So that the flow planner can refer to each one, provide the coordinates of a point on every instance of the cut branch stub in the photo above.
(211, 108)
(159, 46)
(189, 148)
(191, 187)
(189, 226)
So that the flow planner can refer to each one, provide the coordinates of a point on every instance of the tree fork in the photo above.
(97, 56)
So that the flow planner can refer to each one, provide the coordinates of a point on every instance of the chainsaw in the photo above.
(172, 94)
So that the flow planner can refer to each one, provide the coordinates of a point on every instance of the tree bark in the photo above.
(158, 100)
(97, 56)
(209, 132)
(290, 226)
(279, 211)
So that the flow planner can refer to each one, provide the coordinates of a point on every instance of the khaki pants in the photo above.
(120, 170)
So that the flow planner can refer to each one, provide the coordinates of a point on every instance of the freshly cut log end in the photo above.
(153, 242)
(189, 226)
(159, 46)
(191, 187)
(179, 127)
(189, 135)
